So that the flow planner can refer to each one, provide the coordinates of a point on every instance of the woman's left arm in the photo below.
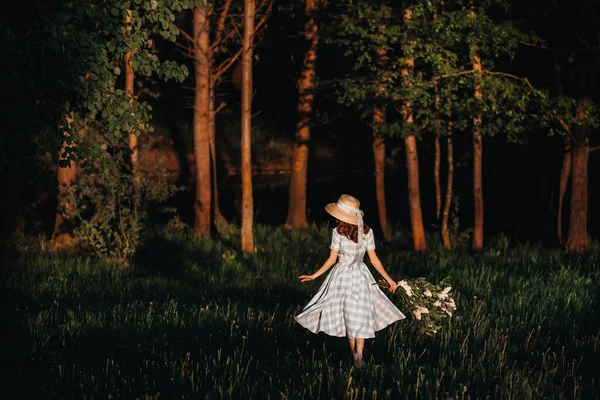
(379, 267)
(328, 264)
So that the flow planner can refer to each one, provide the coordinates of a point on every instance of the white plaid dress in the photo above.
(349, 302)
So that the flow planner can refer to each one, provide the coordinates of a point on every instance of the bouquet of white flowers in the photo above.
(430, 304)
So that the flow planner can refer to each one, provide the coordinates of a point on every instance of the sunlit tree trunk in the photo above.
(296, 216)
(247, 199)
(213, 153)
(448, 201)
(202, 153)
(63, 234)
(565, 172)
(436, 177)
(379, 156)
(129, 81)
(477, 157)
(578, 234)
(412, 162)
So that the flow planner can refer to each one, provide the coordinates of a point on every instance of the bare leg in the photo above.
(360, 345)
(352, 344)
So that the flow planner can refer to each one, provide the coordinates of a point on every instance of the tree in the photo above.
(77, 74)
(247, 198)
(580, 151)
(202, 67)
(410, 145)
(449, 185)
(477, 151)
(296, 216)
(379, 121)
(129, 81)
(571, 101)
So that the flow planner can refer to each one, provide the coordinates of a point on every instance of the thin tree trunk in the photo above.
(247, 200)
(202, 205)
(379, 154)
(296, 216)
(436, 178)
(129, 80)
(565, 172)
(63, 233)
(446, 212)
(213, 153)
(412, 162)
(477, 158)
(414, 198)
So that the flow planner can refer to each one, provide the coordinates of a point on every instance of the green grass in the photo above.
(196, 319)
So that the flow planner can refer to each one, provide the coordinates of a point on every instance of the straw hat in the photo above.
(338, 212)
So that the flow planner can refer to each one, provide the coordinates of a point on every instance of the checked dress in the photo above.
(349, 303)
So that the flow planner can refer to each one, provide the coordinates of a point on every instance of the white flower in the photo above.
(406, 288)
(446, 290)
(447, 312)
(427, 293)
(451, 304)
(437, 304)
(442, 295)
(420, 310)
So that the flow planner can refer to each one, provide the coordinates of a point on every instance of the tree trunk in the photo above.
(379, 154)
(63, 234)
(213, 153)
(436, 178)
(129, 80)
(412, 162)
(477, 158)
(477, 191)
(445, 214)
(202, 205)
(414, 198)
(565, 172)
(578, 235)
(296, 216)
(247, 200)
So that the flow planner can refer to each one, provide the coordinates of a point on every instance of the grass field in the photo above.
(196, 319)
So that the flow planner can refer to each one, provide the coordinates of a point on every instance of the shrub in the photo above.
(110, 204)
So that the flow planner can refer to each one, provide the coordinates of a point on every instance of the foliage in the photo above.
(441, 38)
(198, 319)
(110, 206)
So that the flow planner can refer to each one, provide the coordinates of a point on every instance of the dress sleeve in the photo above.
(370, 240)
(335, 241)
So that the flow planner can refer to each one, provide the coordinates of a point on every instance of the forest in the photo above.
(166, 165)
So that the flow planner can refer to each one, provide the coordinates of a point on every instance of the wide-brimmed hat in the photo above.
(345, 209)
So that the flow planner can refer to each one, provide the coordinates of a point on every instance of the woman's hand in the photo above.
(306, 278)
(393, 286)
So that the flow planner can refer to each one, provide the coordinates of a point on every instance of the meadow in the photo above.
(194, 318)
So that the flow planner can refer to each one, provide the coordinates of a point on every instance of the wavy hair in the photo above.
(349, 231)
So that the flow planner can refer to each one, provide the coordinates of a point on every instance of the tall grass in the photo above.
(197, 319)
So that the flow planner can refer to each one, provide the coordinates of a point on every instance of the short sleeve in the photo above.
(335, 241)
(370, 238)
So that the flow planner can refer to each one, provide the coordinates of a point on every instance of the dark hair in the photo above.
(349, 231)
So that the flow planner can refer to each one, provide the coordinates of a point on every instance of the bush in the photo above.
(110, 204)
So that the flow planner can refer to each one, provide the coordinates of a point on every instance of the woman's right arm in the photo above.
(328, 264)
(379, 267)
